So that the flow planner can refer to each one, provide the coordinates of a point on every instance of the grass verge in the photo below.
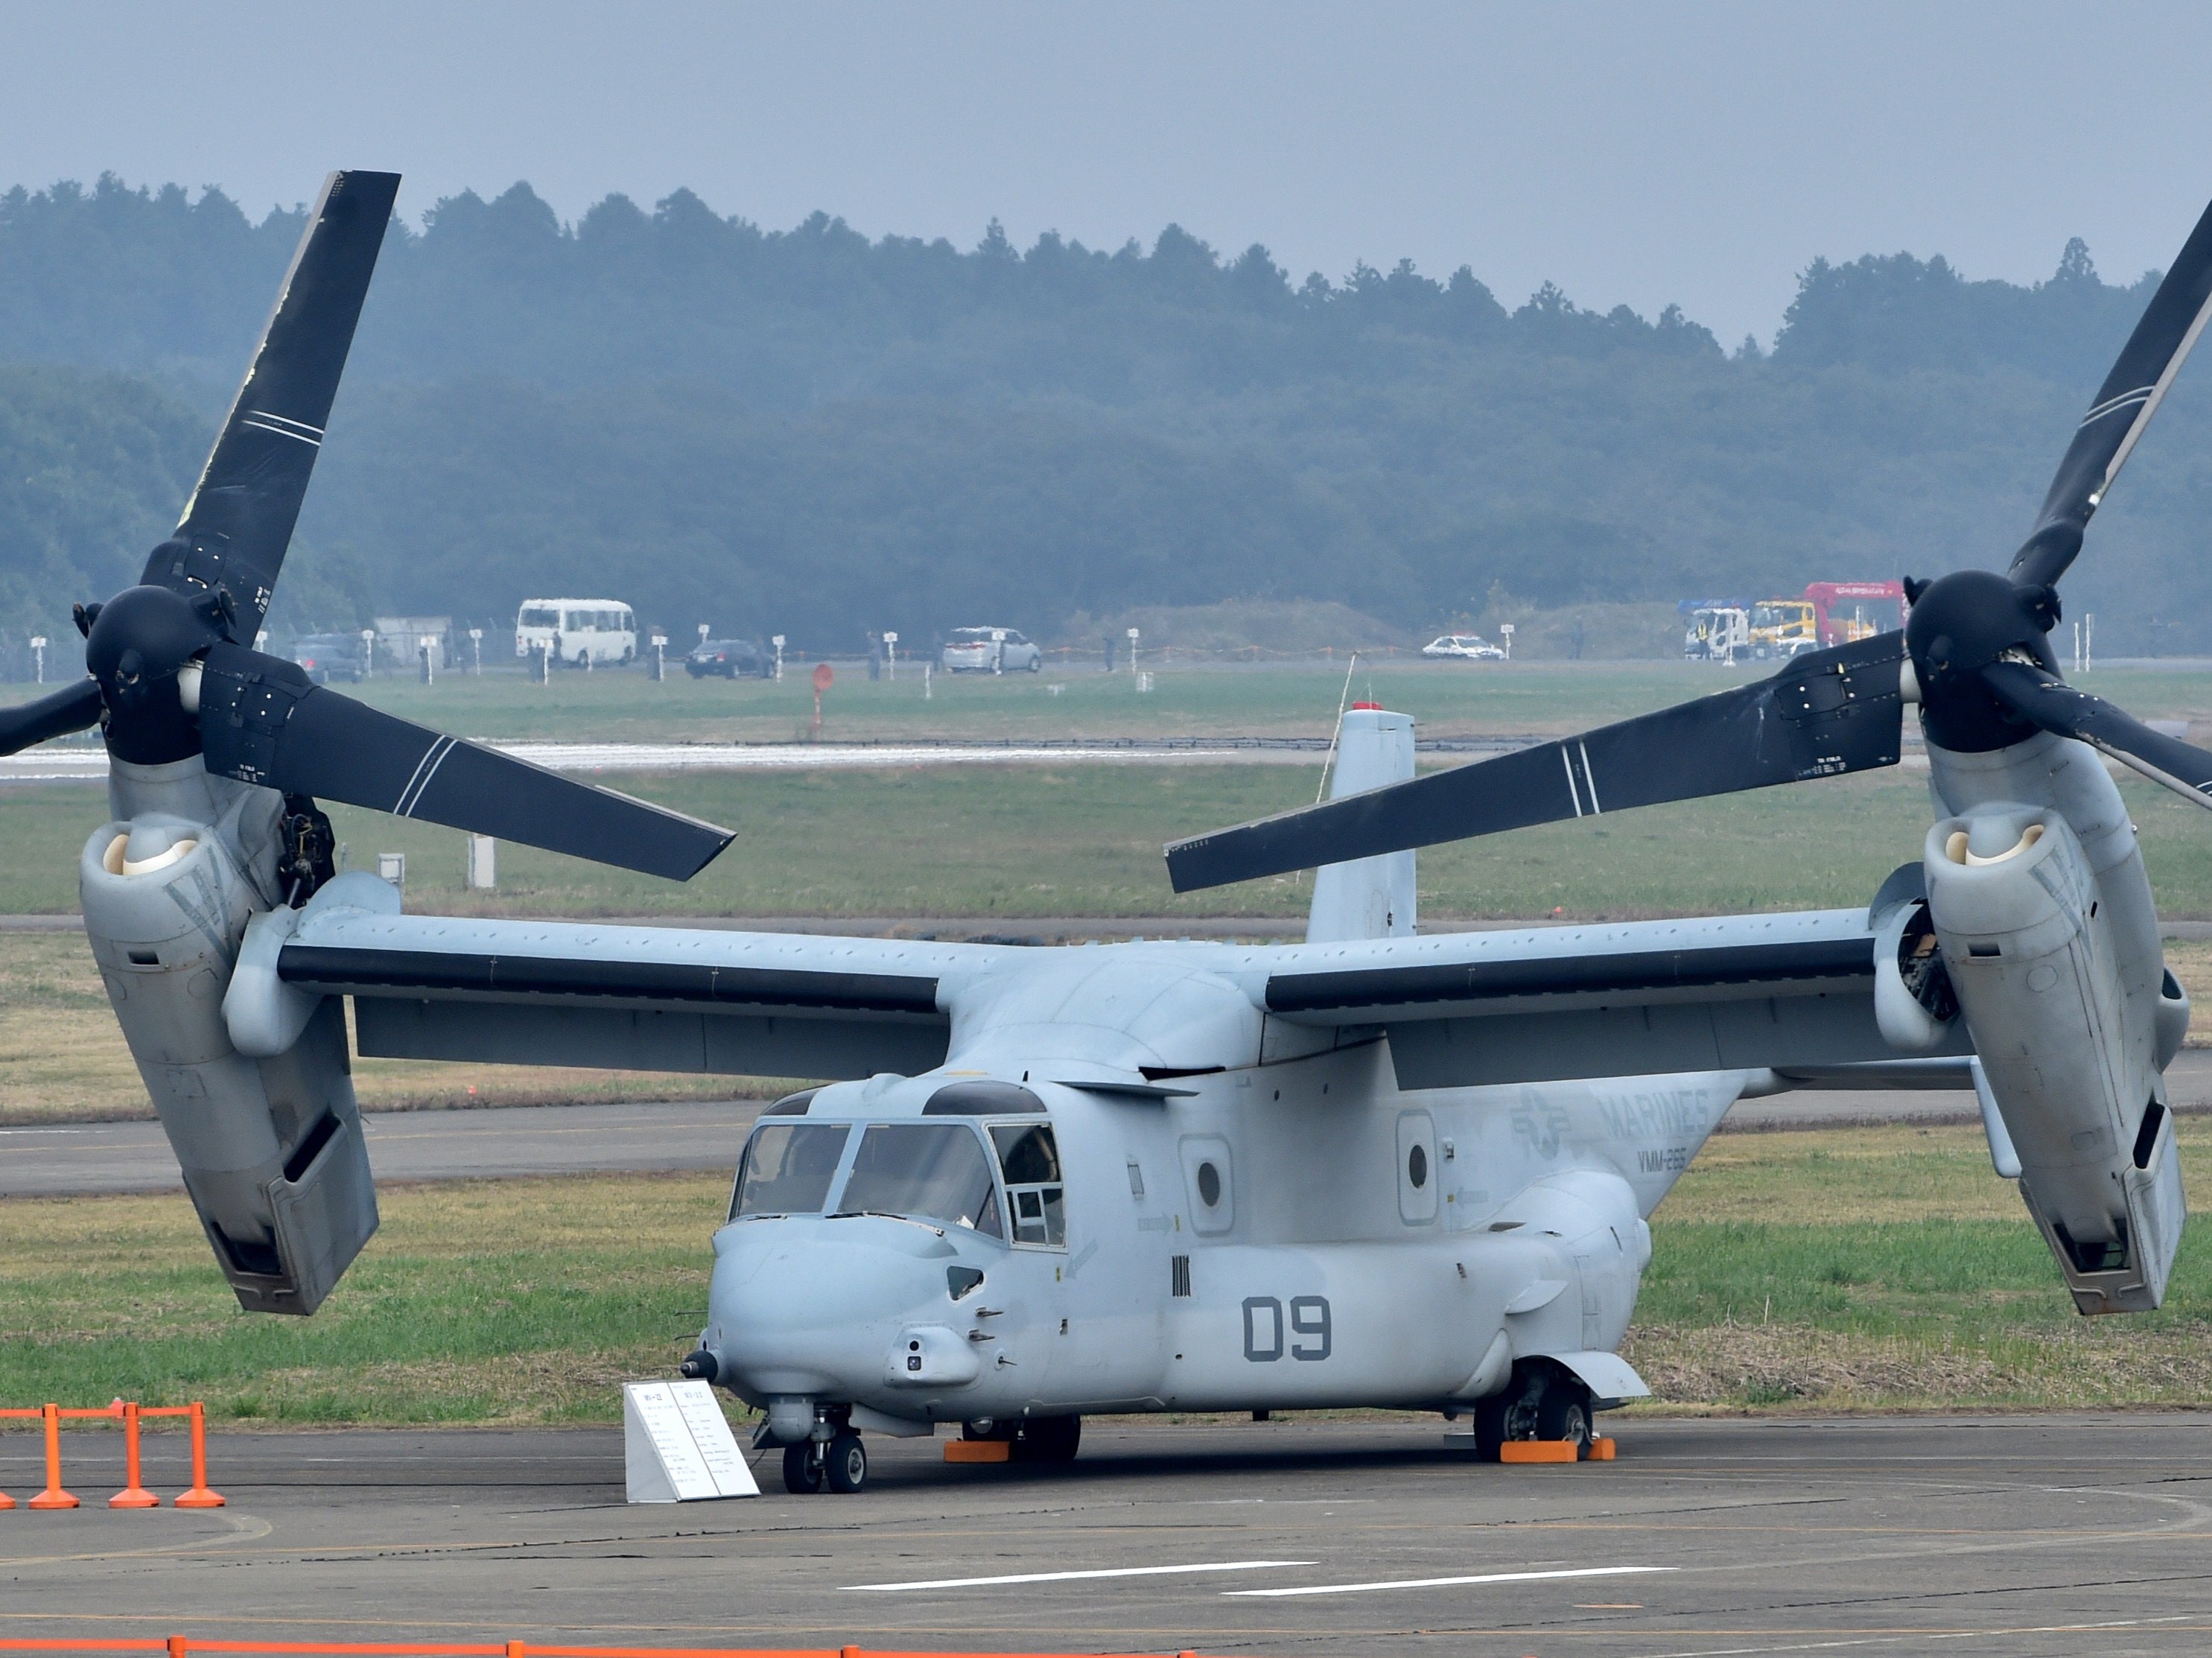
(1834, 1271)
(974, 843)
(1450, 699)
(63, 1057)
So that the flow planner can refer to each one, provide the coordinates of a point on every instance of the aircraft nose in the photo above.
(805, 1304)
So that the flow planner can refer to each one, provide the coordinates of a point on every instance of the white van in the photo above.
(580, 632)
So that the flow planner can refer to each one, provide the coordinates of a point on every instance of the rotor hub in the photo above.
(138, 642)
(1961, 624)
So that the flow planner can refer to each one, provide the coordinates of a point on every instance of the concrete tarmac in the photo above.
(2037, 1536)
(496, 1142)
(2188, 1082)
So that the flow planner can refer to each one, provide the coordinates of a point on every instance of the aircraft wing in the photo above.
(1790, 992)
(633, 998)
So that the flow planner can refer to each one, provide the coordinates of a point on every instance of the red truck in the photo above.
(1845, 610)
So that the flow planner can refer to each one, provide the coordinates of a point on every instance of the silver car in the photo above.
(1466, 647)
(990, 650)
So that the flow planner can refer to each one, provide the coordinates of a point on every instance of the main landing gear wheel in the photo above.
(803, 1473)
(1047, 1439)
(848, 1463)
(1563, 1414)
(1537, 1404)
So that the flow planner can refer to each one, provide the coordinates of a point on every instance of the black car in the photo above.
(329, 656)
(729, 658)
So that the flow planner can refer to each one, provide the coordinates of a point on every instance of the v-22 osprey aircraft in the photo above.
(1374, 1168)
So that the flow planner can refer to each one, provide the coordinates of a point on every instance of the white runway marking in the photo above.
(1448, 1582)
(1072, 1577)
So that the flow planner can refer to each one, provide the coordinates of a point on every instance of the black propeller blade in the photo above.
(1828, 712)
(2123, 405)
(238, 522)
(2050, 703)
(172, 671)
(73, 708)
(262, 720)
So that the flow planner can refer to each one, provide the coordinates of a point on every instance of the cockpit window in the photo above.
(788, 1167)
(932, 1171)
(1026, 1153)
(982, 1097)
(1031, 1160)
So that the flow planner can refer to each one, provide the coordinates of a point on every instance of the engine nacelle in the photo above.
(271, 1147)
(2068, 1040)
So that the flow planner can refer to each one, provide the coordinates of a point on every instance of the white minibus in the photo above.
(582, 633)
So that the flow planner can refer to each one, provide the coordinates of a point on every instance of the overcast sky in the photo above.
(1639, 154)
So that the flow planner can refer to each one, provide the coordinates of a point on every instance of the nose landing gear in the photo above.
(841, 1466)
(846, 1463)
(803, 1470)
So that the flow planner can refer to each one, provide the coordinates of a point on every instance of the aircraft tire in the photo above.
(802, 1468)
(1563, 1412)
(846, 1463)
(1489, 1427)
(1052, 1439)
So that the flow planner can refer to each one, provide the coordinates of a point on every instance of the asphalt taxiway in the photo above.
(496, 1142)
(490, 1143)
(2035, 1536)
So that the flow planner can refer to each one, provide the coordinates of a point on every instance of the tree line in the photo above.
(813, 431)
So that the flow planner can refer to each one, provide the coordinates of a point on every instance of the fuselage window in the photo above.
(924, 1171)
(1035, 1192)
(788, 1167)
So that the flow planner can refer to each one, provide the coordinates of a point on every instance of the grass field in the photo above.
(63, 1057)
(1840, 1269)
(1447, 699)
(978, 843)
(975, 846)
(1084, 840)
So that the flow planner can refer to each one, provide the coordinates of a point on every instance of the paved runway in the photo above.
(2188, 1081)
(67, 1159)
(81, 761)
(73, 1158)
(2037, 1536)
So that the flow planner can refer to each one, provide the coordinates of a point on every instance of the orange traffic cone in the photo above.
(200, 1497)
(133, 1495)
(53, 1497)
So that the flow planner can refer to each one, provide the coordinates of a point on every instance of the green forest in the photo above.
(810, 431)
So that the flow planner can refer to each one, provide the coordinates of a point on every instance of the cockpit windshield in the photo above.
(788, 1167)
(924, 1171)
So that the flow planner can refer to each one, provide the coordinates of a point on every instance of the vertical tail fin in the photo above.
(1367, 897)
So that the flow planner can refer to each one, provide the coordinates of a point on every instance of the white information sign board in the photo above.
(678, 1446)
